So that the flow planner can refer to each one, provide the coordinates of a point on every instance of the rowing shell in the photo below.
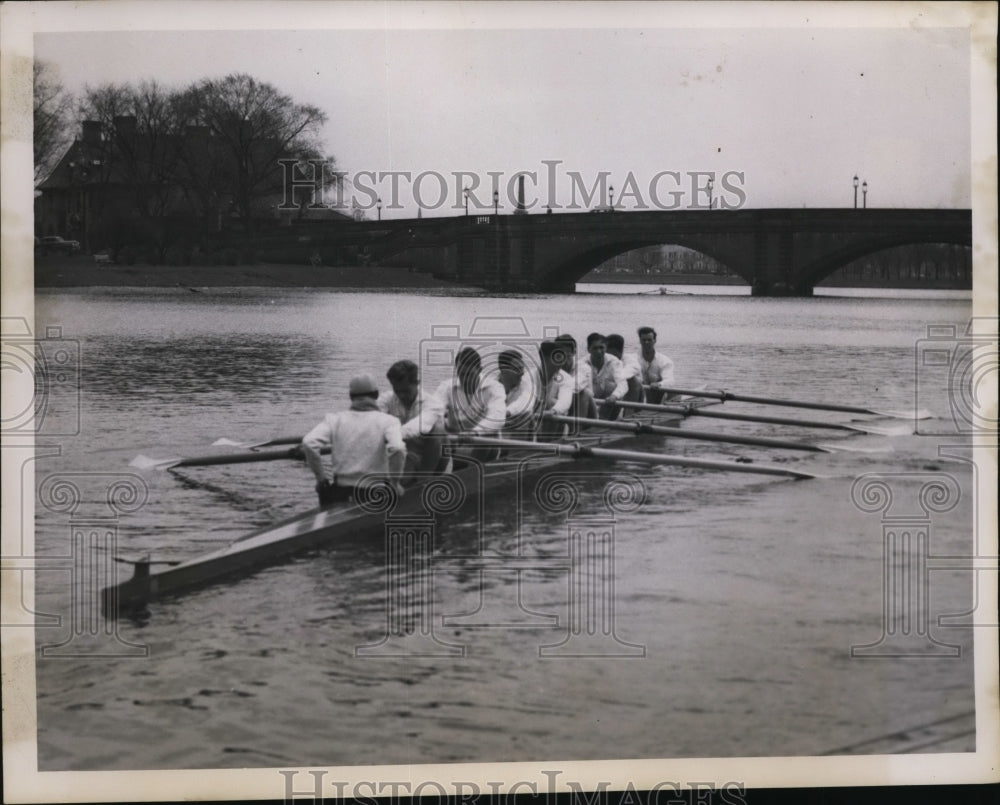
(319, 526)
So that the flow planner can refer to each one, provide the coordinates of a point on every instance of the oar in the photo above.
(146, 463)
(581, 451)
(724, 396)
(710, 436)
(278, 440)
(689, 410)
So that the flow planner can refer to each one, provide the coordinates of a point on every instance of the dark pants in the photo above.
(328, 495)
(424, 456)
(634, 390)
(464, 456)
(608, 410)
(583, 405)
(654, 396)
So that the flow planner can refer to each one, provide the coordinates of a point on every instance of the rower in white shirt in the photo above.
(633, 374)
(608, 376)
(583, 395)
(473, 403)
(422, 416)
(558, 388)
(521, 388)
(656, 369)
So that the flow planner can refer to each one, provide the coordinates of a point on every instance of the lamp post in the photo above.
(711, 186)
(466, 193)
(378, 206)
(864, 195)
(855, 191)
(496, 202)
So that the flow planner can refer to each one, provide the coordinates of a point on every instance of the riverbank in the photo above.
(82, 271)
(834, 281)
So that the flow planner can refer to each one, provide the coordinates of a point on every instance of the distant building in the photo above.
(121, 186)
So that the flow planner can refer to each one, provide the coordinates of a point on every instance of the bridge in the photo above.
(779, 252)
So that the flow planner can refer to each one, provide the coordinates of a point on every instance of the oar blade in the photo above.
(147, 463)
(224, 442)
(878, 430)
(920, 413)
(143, 462)
(844, 448)
(276, 442)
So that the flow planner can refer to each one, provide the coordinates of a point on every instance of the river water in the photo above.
(724, 624)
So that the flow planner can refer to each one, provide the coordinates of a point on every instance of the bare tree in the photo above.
(52, 106)
(162, 166)
(255, 125)
(139, 141)
(138, 153)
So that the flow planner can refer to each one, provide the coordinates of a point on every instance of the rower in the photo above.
(656, 369)
(557, 386)
(607, 376)
(521, 394)
(583, 395)
(363, 441)
(633, 375)
(422, 417)
(473, 403)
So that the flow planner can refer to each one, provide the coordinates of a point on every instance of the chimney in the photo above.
(91, 132)
(125, 126)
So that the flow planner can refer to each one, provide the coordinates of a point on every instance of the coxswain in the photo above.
(363, 442)
(630, 361)
(656, 369)
(607, 376)
(421, 416)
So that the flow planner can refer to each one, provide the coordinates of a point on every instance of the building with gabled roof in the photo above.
(118, 186)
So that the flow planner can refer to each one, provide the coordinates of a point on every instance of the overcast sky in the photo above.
(797, 110)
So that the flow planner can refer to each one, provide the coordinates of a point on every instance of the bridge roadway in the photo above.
(779, 252)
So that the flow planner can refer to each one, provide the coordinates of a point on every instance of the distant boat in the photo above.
(663, 291)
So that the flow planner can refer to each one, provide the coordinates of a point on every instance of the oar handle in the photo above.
(769, 420)
(145, 463)
(580, 451)
(278, 440)
(684, 433)
(239, 458)
(690, 410)
(725, 396)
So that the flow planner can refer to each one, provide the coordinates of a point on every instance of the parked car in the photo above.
(53, 244)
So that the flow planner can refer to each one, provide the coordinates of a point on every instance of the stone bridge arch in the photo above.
(821, 268)
(574, 265)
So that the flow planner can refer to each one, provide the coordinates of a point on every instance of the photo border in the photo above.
(22, 781)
